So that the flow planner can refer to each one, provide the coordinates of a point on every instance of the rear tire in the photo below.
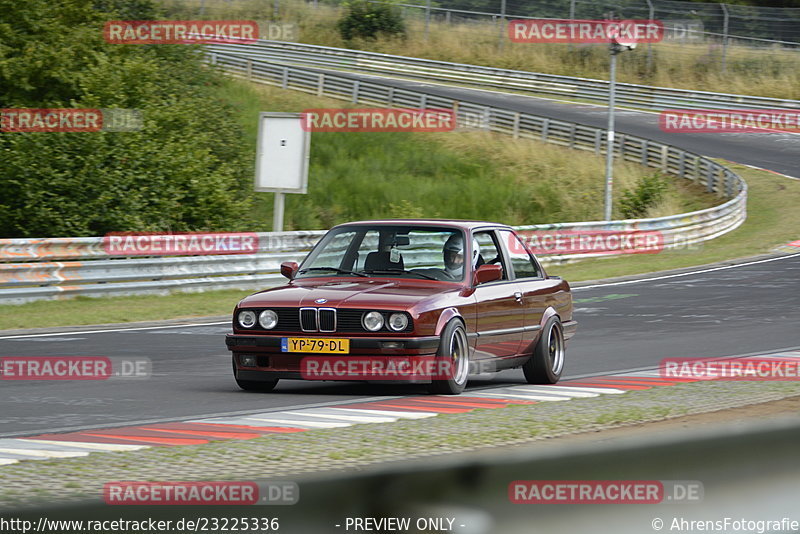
(253, 385)
(547, 362)
(453, 355)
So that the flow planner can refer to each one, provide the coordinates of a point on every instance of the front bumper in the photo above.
(358, 345)
(272, 363)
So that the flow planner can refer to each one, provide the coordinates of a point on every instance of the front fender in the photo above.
(445, 317)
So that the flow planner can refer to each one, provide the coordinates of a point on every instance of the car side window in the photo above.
(521, 260)
(489, 251)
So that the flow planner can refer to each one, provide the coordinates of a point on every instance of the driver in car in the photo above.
(453, 252)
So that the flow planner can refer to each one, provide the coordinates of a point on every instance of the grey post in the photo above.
(277, 213)
(724, 34)
(500, 36)
(610, 132)
(650, 45)
(571, 16)
(427, 18)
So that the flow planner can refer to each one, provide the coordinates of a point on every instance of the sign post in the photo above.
(617, 45)
(281, 159)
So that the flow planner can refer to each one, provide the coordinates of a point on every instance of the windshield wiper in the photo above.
(378, 271)
(340, 271)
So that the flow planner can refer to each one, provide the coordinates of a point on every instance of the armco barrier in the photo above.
(551, 85)
(34, 269)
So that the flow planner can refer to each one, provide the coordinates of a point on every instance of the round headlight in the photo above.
(247, 318)
(398, 322)
(268, 319)
(372, 321)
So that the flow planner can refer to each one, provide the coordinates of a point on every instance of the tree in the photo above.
(367, 21)
(183, 171)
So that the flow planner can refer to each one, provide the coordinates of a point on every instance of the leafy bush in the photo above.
(367, 21)
(184, 171)
(649, 190)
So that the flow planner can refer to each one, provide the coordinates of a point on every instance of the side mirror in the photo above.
(289, 269)
(487, 273)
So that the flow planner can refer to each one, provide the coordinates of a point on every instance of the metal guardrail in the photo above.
(51, 268)
(551, 85)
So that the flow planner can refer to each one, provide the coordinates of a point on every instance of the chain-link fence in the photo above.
(688, 20)
(773, 31)
(747, 24)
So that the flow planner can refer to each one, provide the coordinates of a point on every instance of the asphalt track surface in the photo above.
(775, 151)
(732, 311)
(749, 308)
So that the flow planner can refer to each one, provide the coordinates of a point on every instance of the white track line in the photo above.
(691, 273)
(610, 391)
(56, 334)
(391, 413)
(38, 453)
(528, 397)
(549, 391)
(88, 445)
(345, 418)
(297, 424)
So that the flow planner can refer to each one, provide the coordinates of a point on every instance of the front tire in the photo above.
(453, 356)
(262, 386)
(547, 362)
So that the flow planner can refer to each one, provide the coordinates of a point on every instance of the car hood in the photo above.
(351, 293)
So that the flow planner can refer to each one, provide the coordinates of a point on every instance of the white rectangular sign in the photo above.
(282, 154)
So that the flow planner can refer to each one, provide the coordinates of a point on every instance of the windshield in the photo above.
(422, 252)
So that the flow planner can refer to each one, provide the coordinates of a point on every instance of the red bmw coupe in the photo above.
(422, 301)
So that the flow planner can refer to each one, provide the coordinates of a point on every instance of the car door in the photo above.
(538, 292)
(500, 313)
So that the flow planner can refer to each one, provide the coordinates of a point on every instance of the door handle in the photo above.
(518, 296)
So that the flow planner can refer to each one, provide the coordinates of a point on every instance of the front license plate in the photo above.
(317, 345)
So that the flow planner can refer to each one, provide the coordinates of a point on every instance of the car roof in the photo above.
(460, 223)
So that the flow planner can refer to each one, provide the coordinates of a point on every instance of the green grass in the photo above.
(461, 174)
(85, 310)
(772, 219)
